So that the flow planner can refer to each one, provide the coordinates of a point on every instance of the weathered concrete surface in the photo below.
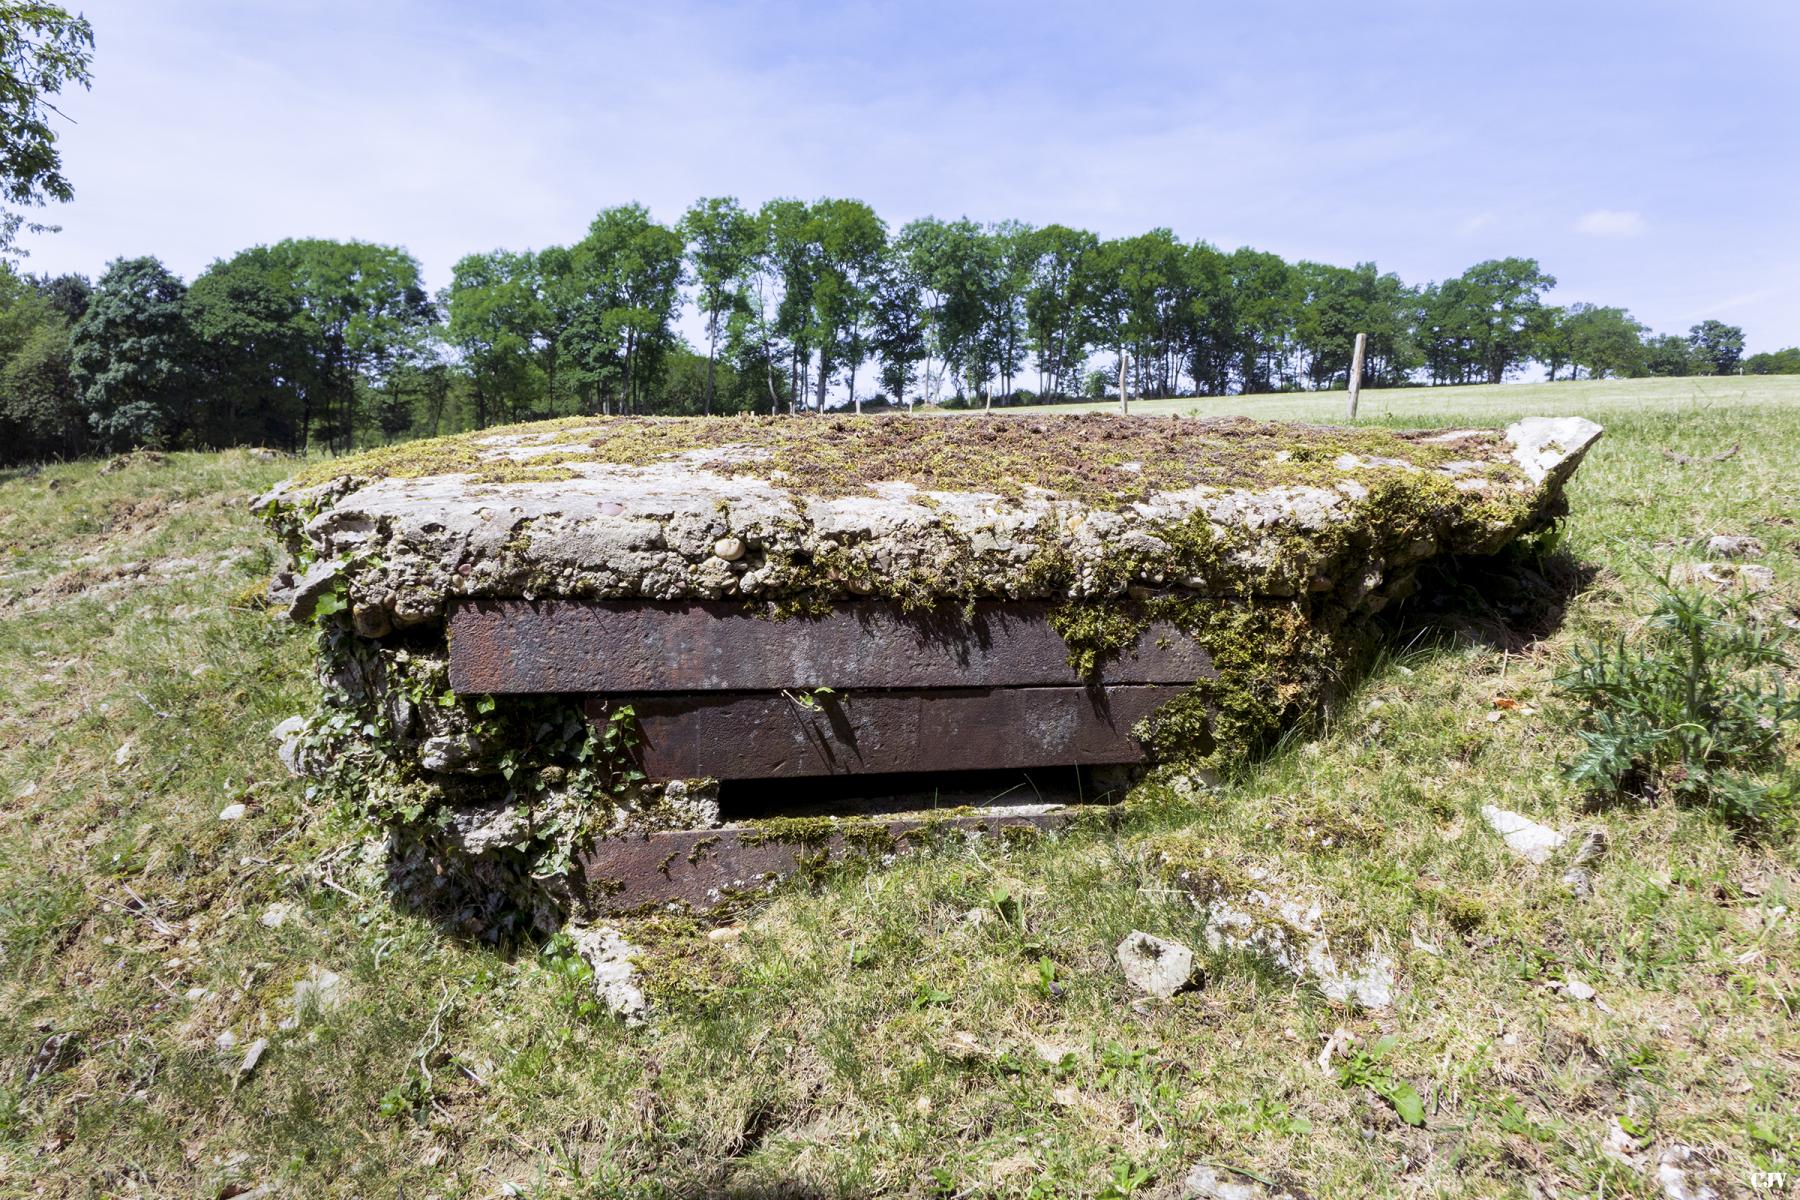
(681, 528)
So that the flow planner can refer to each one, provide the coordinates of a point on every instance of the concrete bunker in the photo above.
(543, 650)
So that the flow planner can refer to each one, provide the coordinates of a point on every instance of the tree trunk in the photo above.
(712, 352)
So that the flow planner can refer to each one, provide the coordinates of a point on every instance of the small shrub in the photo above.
(1700, 707)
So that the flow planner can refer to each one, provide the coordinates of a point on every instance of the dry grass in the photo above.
(870, 1038)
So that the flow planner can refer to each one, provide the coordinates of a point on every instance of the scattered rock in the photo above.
(1155, 965)
(233, 812)
(1749, 576)
(1621, 1147)
(1207, 1182)
(729, 548)
(615, 976)
(453, 754)
(122, 755)
(1524, 837)
(226, 1040)
(1681, 1174)
(321, 991)
(1575, 989)
(252, 1056)
(1729, 546)
(966, 1047)
(26, 790)
(311, 584)
(277, 914)
(1592, 850)
(52, 1055)
(479, 828)
(1292, 936)
(262, 454)
(287, 734)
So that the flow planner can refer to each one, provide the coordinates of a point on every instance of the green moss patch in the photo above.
(1104, 460)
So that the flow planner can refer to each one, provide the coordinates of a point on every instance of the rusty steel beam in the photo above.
(767, 735)
(631, 647)
(700, 867)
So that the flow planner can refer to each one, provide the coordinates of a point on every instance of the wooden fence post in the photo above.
(1356, 366)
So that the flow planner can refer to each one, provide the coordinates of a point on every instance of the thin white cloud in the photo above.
(1612, 222)
(1475, 223)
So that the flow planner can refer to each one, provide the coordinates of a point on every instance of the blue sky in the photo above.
(1647, 153)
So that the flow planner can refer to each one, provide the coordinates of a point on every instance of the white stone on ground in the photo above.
(1727, 546)
(1675, 1175)
(321, 991)
(615, 976)
(1524, 837)
(287, 734)
(1155, 965)
(1292, 936)
(1207, 1182)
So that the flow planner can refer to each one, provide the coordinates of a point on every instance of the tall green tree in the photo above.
(1266, 300)
(723, 242)
(785, 283)
(1503, 297)
(851, 245)
(1010, 253)
(628, 273)
(946, 257)
(494, 318)
(898, 336)
(1785, 361)
(132, 356)
(1606, 341)
(1056, 325)
(255, 360)
(365, 308)
(43, 49)
(1718, 345)
(40, 409)
(1670, 354)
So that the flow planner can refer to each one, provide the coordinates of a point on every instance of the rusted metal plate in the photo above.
(700, 867)
(763, 735)
(573, 646)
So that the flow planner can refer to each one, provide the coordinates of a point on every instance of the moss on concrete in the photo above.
(1102, 460)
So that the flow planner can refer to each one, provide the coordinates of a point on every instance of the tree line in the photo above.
(801, 306)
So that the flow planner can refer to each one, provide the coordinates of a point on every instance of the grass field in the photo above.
(868, 1037)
